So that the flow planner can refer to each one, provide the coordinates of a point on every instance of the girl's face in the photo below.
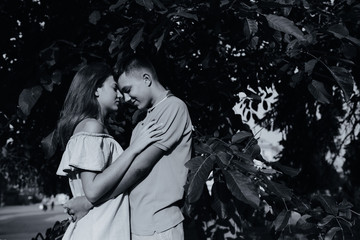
(108, 96)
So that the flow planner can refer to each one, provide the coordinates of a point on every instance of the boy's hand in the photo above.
(77, 207)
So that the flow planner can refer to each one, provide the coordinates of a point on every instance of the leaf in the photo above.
(268, 171)
(200, 169)
(292, 172)
(159, 41)
(254, 105)
(245, 157)
(279, 190)
(250, 27)
(249, 168)
(296, 78)
(325, 220)
(242, 187)
(248, 116)
(254, 150)
(56, 77)
(317, 89)
(345, 205)
(293, 48)
(94, 17)
(138, 37)
(294, 218)
(282, 220)
(286, 8)
(327, 203)
(309, 66)
(331, 233)
(339, 30)
(49, 144)
(345, 80)
(306, 4)
(253, 96)
(160, 5)
(254, 42)
(240, 136)
(220, 208)
(185, 15)
(217, 145)
(284, 25)
(148, 4)
(265, 105)
(113, 45)
(220, 196)
(353, 40)
(224, 157)
(118, 4)
(303, 224)
(28, 98)
(202, 148)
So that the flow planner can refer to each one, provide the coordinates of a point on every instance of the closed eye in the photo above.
(126, 90)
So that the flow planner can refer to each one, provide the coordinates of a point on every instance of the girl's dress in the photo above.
(95, 152)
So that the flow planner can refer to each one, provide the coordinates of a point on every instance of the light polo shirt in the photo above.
(153, 201)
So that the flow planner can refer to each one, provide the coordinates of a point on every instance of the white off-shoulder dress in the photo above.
(95, 152)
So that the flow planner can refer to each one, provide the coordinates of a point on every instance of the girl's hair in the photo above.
(80, 101)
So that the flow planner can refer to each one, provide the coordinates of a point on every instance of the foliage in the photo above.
(54, 233)
(207, 53)
(250, 202)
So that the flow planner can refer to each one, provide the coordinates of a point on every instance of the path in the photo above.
(25, 222)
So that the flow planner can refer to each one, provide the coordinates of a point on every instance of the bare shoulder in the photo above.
(90, 125)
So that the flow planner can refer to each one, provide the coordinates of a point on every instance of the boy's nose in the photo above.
(127, 98)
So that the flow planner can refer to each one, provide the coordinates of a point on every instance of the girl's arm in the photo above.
(80, 206)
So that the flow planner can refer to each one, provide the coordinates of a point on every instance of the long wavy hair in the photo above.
(80, 101)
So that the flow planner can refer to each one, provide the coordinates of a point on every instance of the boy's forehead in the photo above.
(127, 79)
(124, 84)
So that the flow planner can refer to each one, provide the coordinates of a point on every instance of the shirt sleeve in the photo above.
(176, 120)
(84, 152)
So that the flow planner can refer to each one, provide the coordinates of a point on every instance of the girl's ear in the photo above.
(96, 93)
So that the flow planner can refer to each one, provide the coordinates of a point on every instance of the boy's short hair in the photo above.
(134, 62)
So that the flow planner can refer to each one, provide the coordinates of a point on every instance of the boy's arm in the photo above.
(137, 171)
(140, 167)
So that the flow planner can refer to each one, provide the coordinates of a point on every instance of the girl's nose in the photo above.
(119, 94)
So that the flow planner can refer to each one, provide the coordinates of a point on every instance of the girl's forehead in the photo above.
(110, 79)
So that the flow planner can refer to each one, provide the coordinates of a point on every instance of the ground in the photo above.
(25, 222)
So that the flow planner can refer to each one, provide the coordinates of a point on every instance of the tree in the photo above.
(207, 53)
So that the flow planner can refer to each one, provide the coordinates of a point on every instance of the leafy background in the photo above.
(206, 52)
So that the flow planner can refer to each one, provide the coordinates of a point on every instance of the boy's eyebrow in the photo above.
(125, 89)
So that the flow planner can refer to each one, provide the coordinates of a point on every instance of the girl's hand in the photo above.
(150, 133)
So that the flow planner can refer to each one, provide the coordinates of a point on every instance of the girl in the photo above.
(90, 150)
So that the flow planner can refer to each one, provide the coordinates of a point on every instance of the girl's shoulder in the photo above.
(90, 125)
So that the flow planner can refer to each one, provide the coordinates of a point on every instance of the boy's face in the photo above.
(135, 89)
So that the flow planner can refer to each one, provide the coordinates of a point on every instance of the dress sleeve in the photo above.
(85, 152)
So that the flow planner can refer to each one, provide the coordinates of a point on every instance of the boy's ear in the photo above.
(147, 79)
